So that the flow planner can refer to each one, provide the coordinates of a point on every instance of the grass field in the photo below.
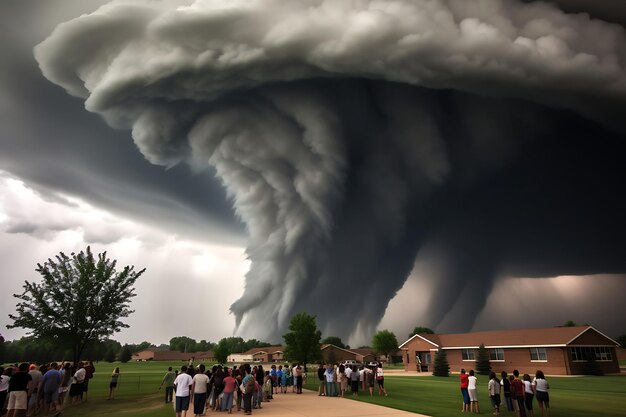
(138, 394)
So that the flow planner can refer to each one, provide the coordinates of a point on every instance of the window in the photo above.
(538, 354)
(496, 354)
(581, 354)
(467, 354)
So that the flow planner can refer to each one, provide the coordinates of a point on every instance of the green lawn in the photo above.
(441, 397)
(138, 394)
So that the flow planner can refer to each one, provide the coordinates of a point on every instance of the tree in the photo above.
(621, 340)
(303, 339)
(385, 343)
(80, 300)
(333, 340)
(109, 355)
(126, 354)
(441, 366)
(422, 330)
(483, 367)
(569, 323)
(183, 344)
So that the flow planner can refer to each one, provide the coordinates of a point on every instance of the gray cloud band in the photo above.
(315, 117)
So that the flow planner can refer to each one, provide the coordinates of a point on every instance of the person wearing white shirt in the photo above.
(541, 390)
(473, 394)
(182, 384)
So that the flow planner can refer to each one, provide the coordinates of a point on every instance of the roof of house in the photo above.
(268, 350)
(553, 336)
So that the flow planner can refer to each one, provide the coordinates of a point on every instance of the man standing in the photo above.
(182, 383)
(19, 389)
(50, 384)
(517, 395)
(322, 379)
(168, 381)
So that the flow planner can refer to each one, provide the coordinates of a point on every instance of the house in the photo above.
(259, 354)
(335, 354)
(555, 351)
(164, 354)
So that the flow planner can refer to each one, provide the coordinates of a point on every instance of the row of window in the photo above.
(497, 354)
(590, 353)
(539, 354)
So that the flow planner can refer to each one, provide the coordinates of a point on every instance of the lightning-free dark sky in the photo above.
(376, 163)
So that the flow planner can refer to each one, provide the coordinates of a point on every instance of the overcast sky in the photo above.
(477, 149)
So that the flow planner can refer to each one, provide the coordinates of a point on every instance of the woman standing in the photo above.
(464, 384)
(230, 386)
(473, 394)
(199, 390)
(529, 394)
(342, 380)
(115, 376)
(380, 380)
(541, 389)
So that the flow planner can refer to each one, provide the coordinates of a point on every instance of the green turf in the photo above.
(138, 394)
(441, 397)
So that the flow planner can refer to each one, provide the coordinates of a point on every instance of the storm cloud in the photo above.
(353, 136)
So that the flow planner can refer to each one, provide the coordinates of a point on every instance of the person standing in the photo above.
(50, 384)
(494, 393)
(230, 386)
(168, 381)
(380, 379)
(506, 390)
(369, 380)
(76, 389)
(33, 399)
(115, 377)
(4, 388)
(89, 371)
(199, 388)
(248, 383)
(19, 389)
(355, 382)
(464, 378)
(472, 392)
(329, 375)
(529, 394)
(299, 379)
(541, 390)
(322, 380)
(342, 380)
(517, 394)
(182, 385)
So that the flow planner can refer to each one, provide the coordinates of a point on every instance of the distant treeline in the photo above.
(40, 351)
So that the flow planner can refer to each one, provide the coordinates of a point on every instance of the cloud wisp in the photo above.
(348, 133)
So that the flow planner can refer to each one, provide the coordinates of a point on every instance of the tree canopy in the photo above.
(303, 339)
(422, 330)
(333, 340)
(80, 300)
(621, 340)
(384, 342)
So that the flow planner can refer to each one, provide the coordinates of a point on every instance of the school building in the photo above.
(555, 351)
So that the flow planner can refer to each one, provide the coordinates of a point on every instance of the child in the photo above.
(494, 393)
(473, 394)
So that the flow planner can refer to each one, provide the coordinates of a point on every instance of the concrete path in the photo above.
(309, 404)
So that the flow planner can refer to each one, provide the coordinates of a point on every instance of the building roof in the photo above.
(269, 350)
(553, 336)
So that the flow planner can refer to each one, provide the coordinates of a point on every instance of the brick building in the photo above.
(555, 351)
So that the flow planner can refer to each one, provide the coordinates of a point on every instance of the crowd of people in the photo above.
(247, 387)
(518, 393)
(224, 388)
(28, 389)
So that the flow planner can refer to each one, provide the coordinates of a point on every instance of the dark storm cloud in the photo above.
(350, 135)
(48, 139)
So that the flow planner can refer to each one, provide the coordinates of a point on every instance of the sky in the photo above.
(380, 164)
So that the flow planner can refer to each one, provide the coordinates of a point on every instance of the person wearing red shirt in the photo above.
(517, 395)
(464, 384)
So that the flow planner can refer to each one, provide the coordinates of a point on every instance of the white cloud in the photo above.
(186, 289)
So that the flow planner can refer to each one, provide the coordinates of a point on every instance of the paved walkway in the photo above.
(309, 404)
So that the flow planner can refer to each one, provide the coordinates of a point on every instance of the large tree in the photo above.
(421, 330)
(333, 340)
(302, 342)
(385, 343)
(80, 300)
